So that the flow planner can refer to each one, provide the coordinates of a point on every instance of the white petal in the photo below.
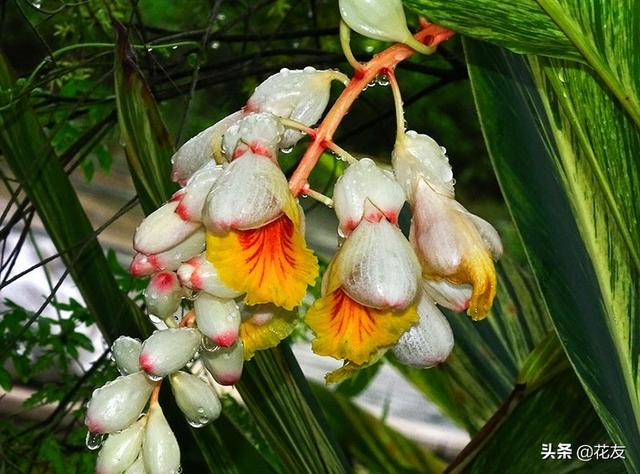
(137, 467)
(126, 351)
(163, 294)
(377, 267)
(199, 274)
(429, 342)
(162, 230)
(381, 20)
(160, 448)
(118, 403)
(194, 194)
(251, 192)
(488, 233)
(170, 259)
(199, 150)
(196, 398)
(225, 363)
(300, 95)
(453, 297)
(364, 181)
(259, 132)
(141, 265)
(217, 319)
(418, 156)
(121, 449)
(167, 351)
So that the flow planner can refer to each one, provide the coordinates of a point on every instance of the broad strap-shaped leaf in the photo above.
(488, 355)
(565, 153)
(146, 140)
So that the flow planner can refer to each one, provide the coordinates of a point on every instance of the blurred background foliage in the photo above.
(200, 61)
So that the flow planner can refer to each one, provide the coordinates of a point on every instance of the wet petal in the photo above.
(345, 329)
(126, 351)
(167, 351)
(429, 342)
(194, 194)
(199, 150)
(217, 319)
(199, 274)
(225, 363)
(137, 467)
(251, 192)
(264, 328)
(258, 132)
(118, 403)
(384, 21)
(377, 267)
(163, 295)
(448, 295)
(160, 448)
(162, 229)
(271, 264)
(196, 398)
(362, 182)
(170, 259)
(120, 450)
(419, 157)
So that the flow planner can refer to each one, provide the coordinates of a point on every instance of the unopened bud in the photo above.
(199, 274)
(172, 258)
(163, 294)
(196, 398)
(217, 319)
(194, 194)
(448, 295)
(225, 363)
(121, 449)
(162, 229)
(258, 132)
(118, 403)
(126, 351)
(167, 351)
(160, 448)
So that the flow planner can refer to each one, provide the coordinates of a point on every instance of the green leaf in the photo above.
(562, 148)
(356, 384)
(5, 380)
(147, 142)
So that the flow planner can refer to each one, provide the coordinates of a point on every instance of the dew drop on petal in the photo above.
(94, 440)
(287, 150)
(153, 378)
(215, 44)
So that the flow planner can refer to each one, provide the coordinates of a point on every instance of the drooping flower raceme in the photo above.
(456, 248)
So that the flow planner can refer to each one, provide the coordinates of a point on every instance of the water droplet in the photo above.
(284, 71)
(372, 83)
(149, 50)
(412, 133)
(195, 423)
(309, 69)
(369, 49)
(175, 47)
(204, 420)
(221, 17)
(444, 150)
(382, 80)
(153, 378)
(94, 440)
(561, 77)
(201, 411)
(295, 44)
(208, 345)
(287, 150)
(215, 44)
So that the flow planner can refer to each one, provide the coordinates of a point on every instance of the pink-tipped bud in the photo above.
(160, 449)
(163, 294)
(199, 274)
(121, 449)
(217, 319)
(194, 194)
(225, 363)
(171, 259)
(162, 229)
(126, 352)
(167, 351)
(429, 342)
(118, 403)
(258, 132)
(196, 398)
(362, 183)
(198, 151)
(448, 295)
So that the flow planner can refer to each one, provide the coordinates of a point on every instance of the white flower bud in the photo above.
(381, 20)
(172, 258)
(258, 132)
(160, 448)
(163, 294)
(225, 363)
(137, 467)
(121, 449)
(167, 351)
(118, 403)
(199, 150)
(199, 274)
(448, 295)
(194, 194)
(217, 319)
(162, 230)
(126, 351)
(429, 342)
(300, 95)
(364, 181)
(196, 398)
(417, 156)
